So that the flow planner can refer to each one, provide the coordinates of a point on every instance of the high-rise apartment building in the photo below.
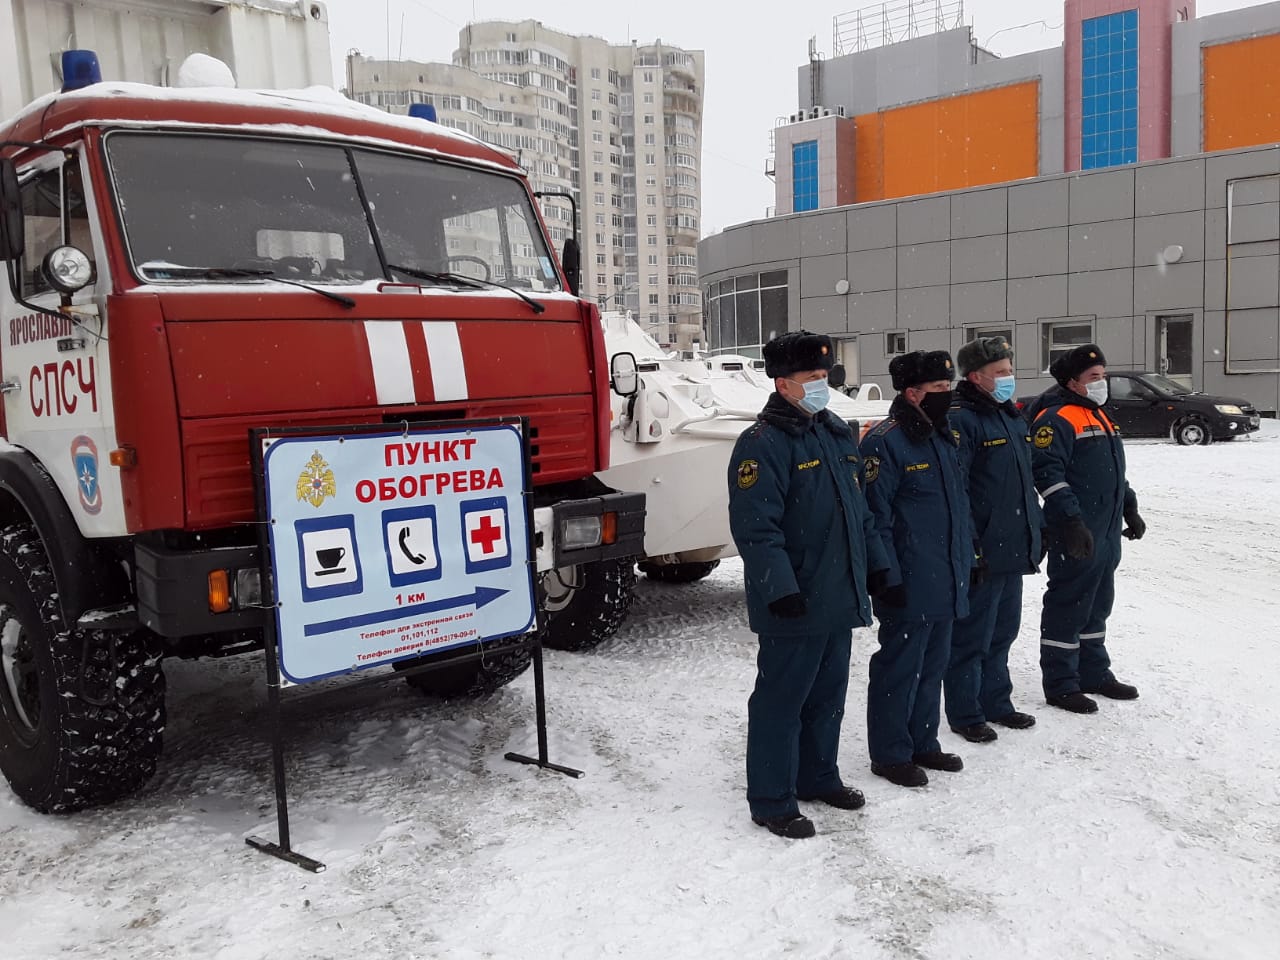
(617, 126)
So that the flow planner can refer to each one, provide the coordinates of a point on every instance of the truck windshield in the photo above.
(193, 203)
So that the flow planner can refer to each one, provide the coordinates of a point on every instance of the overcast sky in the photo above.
(751, 63)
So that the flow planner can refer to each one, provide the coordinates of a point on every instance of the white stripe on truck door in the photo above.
(392, 371)
(444, 349)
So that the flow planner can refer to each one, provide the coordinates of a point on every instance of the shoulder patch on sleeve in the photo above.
(1043, 437)
(748, 474)
(872, 468)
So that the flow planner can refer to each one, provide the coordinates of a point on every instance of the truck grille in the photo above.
(219, 479)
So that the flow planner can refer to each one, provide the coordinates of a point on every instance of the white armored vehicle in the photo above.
(672, 440)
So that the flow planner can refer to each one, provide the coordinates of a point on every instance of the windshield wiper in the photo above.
(465, 281)
(175, 271)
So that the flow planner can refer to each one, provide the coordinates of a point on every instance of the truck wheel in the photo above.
(678, 572)
(1192, 432)
(58, 750)
(586, 604)
(474, 678)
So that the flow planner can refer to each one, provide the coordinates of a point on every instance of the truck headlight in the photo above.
(248, 587)
(1230, 409)
(577, 533)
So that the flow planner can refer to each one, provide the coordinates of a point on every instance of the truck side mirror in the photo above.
(624, 377)
(837, 377)
(12, 230)
(571, 260)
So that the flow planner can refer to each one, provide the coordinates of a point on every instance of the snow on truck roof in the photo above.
(318, 111)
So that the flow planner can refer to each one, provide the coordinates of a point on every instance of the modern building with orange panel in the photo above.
(1122, 188)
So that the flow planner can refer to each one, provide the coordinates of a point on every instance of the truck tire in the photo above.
(586, 604)
(59, 750)
(471, 679)
(678, 572)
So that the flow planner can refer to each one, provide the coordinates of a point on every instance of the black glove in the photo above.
(895, 596)
(1135, 526)
(978, 573)
(1075, 538)
(790, 607)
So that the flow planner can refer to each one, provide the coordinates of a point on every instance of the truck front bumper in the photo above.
(173, 585)
(575, 532)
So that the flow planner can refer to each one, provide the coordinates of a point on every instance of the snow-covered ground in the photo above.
(1151, 829)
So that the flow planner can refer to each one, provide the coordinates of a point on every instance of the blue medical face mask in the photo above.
(817, 394)
(1004, 388)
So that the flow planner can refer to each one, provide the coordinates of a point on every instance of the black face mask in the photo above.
(936, 405)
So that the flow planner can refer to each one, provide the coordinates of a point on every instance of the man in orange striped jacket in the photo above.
(1078, 463)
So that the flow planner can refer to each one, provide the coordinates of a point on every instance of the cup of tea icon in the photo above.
(329, 558)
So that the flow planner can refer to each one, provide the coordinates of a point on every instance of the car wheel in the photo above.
(1192, 432)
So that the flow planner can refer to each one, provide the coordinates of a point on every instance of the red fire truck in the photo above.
(184, 265)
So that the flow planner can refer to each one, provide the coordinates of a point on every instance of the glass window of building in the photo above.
(804, 161)
(1109, 91)
(744, 313)
(1060, 337)
(895, 342)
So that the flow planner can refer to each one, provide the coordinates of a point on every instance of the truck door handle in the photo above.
(10, 386)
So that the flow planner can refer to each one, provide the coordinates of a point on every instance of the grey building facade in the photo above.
(1169, 265)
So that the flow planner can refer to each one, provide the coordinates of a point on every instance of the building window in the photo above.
(743, 313)
(653, 259)
(1005, 332)
(895, 342)
(1059, 337)
(1109, 91)
(804, 163)
(595, 73)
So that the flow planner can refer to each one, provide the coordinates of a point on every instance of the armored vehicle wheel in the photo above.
(474, 678)
(678, 572)
(81, 712)
(586, 604)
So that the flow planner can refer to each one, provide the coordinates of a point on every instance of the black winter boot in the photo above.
(843, 798)
(976, 733)
(903, 774)
(1015, 720)
(1114, 690)
(793, 826)
(1076, 702)
(937, 760)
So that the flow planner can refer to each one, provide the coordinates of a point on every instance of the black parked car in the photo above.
(1146, 404)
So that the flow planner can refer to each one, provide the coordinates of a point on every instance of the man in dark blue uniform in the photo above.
(995, 458)
(916, 492)
(1080, 473)
(801, 525)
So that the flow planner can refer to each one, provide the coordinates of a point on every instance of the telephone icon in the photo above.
(403, 541)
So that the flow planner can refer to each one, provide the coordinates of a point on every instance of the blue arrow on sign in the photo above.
(481, 597)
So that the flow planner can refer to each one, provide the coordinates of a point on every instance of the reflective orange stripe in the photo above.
(1084, 422)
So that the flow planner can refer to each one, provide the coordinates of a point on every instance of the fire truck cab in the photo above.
(187, 264)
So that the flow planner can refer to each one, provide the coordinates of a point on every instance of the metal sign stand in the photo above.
(282, 848)
(540, 703)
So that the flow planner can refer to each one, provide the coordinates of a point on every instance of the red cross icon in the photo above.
(486, 534)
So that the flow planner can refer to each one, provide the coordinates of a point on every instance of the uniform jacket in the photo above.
(800, 521)
(995, 459)
(916, 491)
(1078, 459)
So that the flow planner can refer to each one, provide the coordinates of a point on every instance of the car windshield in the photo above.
(292, 209)
(1171, 387)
